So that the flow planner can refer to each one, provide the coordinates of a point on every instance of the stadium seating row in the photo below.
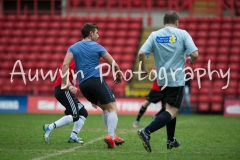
(67, 21)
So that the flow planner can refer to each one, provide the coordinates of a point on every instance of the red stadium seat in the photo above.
(136, 26)
(225, 42)
(203, 26)
(205, 20)
(121, 33)
(234, 58)
(236, 34)
(43, 25)
(235, 42)
(128, 58)
(111, 26)
(117, 50)
(216, 103)
(214, 34)
(217, 20)
(236, 26)
(46, 90)
(131, 42)
(211, 50)
(129, 50)
(119, 42)
(234, 50)
(212, 42)
(202, 34)
(55, 25)
(201, 42)
(231, 92)
(123, 26)
(9, 25)
(27, 41)
(234, 66)
(30, 33)
(222, 58)
(52, 41)
(77, 25)
(32, 25)
(110, 33)
(215, 26)
(108, 41)
(227, 26)
(234, 76)
(223, 66)
(191, 27)
(203, 103)
(24, 25)
(226, 34)
(223, 50)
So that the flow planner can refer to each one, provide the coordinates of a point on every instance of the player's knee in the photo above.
(83, 112)
(75, 117)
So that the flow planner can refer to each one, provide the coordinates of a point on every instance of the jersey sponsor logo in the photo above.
(166, 39)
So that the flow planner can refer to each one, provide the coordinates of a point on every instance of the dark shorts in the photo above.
(154, 96)
(68, 100)
(173, 95)
(96, 91)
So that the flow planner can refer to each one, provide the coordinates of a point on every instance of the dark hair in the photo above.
(170, 17)
(87, 27)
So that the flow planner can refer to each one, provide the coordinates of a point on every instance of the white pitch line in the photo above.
(68, 150)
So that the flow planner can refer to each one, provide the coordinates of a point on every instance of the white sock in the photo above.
(112, 121)
(105, 117)
(61, 122)
(77, 126)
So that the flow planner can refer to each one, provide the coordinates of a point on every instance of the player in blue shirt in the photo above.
(87, 54)
(169, 47)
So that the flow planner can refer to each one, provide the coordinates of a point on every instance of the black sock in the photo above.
(141, 112)
(171, 129)
(54, 126)
(159, 122)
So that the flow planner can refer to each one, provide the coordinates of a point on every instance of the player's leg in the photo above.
(98, 93)
(78, 124)
(71, 112)
(173, 97)
(142, 110)
(153, 97)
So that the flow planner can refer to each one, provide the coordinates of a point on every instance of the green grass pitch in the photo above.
(202, 137)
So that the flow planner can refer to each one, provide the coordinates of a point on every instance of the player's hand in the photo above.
(118, 78)
(189, 59)
(64, 87)
(144, 73)
(94, 106)
(73, 89)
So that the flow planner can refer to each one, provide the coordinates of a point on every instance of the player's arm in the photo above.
(145, 50)
(108, 58)
(193, 57)
(191, 49)
(141, 57)
(65, 78)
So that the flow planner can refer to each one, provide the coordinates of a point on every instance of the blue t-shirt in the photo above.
(86, 54)
(169, 46)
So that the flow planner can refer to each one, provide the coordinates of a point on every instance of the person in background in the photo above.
(169, 46)
(75, 111)
(186, 103)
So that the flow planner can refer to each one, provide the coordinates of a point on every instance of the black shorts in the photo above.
(96, 91)
(173, 95)
(154, 96)
(68, 100)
